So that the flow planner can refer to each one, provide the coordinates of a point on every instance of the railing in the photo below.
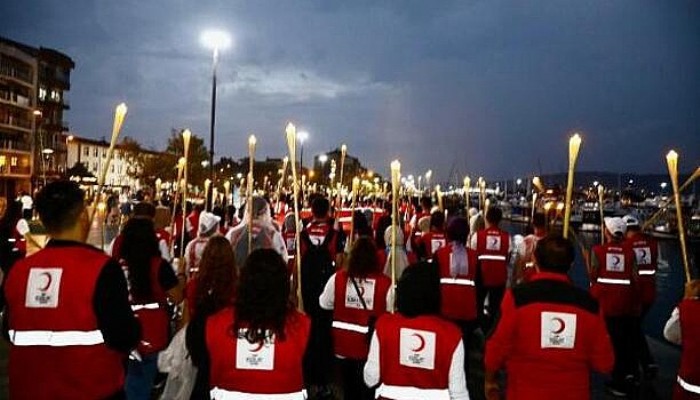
(18, 122)
(7, 70)
(15, 98)
(6, 144)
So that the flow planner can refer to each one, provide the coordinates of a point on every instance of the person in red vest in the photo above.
(415, 354)
(646, 254)
(614, 284)
(142, 210)
(457, 267)
(493, 247)
(152, 282)
(212, 290)
(357, 297)
(254, 350)
(525, 260)
(192, 220)
(290, 240)
(550, 334)
(429, 243)
(683, 328)
(67, 313)
(208, 227)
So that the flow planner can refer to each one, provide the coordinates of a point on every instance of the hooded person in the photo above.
(264, 231)
(208, 226)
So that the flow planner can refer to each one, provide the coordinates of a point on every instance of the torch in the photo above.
(353, 204)
(395, 179)
(438, 194)
(574, 146)
(207, 185)
(672, 161)
(119, 115)
(158, 183)
(227, 190)
(482, 195)
(252, 141)
(467, 185)
(186, 136)
(601, 200)
(291, 145)
(180, 168)
(688, 182)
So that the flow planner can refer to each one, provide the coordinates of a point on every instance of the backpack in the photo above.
(317, 266)
(261, 240)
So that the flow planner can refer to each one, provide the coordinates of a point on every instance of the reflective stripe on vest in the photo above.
(493, 258)
(411, 392)
(149, 306)
(457, 281)
(222, 394)
(56, 338)
(647, 272)
(346, 326)
(614, 281)
(687, 386)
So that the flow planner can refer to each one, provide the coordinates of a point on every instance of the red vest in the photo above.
(58, 352)
(317, 231)
(193, 221)
(415, 355)
(433, 241)
(20, 243)
(458, 293)
(688, 381)
(290, 241)
(256, 369)
(646, 253)
(614, 282)
(492, 246)
(350, 320)
(152, 314)
(162, 234)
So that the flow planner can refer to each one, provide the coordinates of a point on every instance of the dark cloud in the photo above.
(484, 87)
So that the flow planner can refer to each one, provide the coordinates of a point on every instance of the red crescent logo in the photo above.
(421, 346)
(362, 291)
(495, 242)
(257, 348)
(561, 324)
(48, 281)
(644, 255)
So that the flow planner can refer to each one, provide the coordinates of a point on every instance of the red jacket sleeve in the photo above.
(498, 346)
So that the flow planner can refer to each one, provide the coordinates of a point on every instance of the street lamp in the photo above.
(215, 40)
(302, 136)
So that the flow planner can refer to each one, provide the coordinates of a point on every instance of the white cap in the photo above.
(207, 222)
(616, 226)
(630, 220)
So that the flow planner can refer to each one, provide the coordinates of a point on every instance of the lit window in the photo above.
(42, 93)
(13, 161)
(87, 151)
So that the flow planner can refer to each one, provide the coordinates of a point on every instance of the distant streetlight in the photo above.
(302, 136)
(214, 40)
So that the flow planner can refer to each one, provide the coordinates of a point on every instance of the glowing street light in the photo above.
(214, 40)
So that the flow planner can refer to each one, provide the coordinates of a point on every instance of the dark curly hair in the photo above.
(262, 303)
(138, 249)
(216, 281)
(363, 258)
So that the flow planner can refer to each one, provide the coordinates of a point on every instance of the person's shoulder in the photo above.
(546, 291)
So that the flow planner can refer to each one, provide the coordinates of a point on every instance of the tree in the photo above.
(197, 154)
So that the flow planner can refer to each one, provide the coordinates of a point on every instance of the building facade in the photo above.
(33, 82)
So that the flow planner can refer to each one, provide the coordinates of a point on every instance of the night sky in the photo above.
(488, 87)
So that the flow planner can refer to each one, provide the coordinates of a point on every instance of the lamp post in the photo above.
(302, 136)
(214, 40)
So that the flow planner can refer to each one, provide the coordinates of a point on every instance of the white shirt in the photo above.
(672, 330)
(27, 202)
(22, 227)
(456, 383)
(327, 299)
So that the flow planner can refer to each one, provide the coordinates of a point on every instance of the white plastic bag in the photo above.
(176, 362)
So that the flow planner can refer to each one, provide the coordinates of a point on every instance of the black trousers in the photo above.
(495, 296)
(353, 381)
(318, 359)
(645, 356)
(624, 334)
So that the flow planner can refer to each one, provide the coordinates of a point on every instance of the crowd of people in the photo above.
(224, 306)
